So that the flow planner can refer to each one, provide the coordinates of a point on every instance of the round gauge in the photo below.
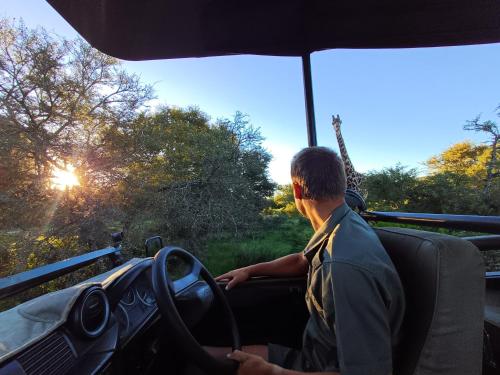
(122, 319)
(146, 295)
(128, 298)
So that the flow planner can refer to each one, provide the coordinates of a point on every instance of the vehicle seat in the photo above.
(443, 279)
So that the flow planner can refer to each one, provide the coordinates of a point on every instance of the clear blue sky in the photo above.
(397, 106)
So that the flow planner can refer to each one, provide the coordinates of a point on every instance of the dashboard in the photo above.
(110, 312)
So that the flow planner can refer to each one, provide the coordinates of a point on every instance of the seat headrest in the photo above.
(355, 200)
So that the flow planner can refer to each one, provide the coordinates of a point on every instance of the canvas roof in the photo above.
(164, 29)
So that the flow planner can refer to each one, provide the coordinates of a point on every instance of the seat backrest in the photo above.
(443, 280)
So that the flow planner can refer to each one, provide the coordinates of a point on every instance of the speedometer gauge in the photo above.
(146, 295)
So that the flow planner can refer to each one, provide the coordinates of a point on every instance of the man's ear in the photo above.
(297, 190)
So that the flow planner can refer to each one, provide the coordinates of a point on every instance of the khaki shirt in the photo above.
(355, 299)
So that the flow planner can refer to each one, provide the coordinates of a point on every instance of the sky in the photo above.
(396, 105)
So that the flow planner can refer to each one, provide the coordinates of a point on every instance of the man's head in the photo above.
(317, 175)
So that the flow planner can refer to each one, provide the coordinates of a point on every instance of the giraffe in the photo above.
(353, 178)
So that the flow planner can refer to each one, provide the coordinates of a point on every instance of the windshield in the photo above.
(198, 151)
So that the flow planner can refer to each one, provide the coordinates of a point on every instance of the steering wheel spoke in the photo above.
(184, 283)
(188, 280)
(167, 290)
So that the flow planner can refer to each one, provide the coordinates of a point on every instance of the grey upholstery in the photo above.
(443, 279)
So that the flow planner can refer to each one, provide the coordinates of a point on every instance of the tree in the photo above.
(464, 158)
(283, 201)
(190, 178)
(56, 97)
(448, 192)
(453, 185)
(463, 169)
(391, 189)
(492, 166)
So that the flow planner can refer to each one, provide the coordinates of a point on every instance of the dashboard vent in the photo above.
(51, 356)
(90, 314)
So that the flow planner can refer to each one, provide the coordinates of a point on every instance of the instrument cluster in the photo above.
(136, 305)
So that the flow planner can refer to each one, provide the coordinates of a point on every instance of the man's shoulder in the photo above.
(356, 244)
(352, 237)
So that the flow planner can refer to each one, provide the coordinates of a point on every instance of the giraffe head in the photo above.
(336, 122)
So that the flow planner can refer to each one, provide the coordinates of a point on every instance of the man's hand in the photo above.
(251, 364)
(235, 277)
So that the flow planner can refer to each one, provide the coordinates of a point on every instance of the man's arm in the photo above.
(251, 364)
(287, 266)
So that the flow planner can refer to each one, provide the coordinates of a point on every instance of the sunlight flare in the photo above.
(64, 178)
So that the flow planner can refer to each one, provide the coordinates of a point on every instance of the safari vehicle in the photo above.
(146, 316)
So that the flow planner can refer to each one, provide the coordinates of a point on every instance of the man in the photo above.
(354, 294)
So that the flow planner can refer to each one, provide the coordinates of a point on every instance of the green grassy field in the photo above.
(279, 237)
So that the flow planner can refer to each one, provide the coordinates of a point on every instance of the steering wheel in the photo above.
(167, 290)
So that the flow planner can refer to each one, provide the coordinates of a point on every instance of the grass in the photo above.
(279, 237)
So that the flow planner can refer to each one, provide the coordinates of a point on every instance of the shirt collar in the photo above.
(326, 228)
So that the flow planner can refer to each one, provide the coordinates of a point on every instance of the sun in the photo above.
(63, 179)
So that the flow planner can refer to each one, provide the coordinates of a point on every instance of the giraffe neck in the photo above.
(343, 150)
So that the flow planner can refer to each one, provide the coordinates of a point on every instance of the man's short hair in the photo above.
(320, 173)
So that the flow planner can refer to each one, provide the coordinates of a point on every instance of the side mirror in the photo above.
(153, 245)
(117, 238)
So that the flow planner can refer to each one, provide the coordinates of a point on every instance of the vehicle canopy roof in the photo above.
(164, 29)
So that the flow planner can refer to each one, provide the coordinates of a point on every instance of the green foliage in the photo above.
(282, 202)
(454, 185)
(390, 189)
(191, 178)
(463, 158)
(57, 99)
(448, 192)
(461, 181)
(491, 187)
(280, 235)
